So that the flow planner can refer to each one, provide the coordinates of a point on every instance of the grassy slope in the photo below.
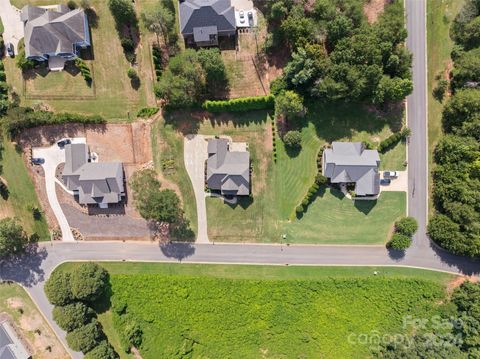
(289, 178)
(334, 219)
(21, 191)
(439, 45)
(116, 99)
(289, 311)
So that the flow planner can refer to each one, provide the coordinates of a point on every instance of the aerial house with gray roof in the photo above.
(54, 33)
(350, 162)
(203, 22)
(11, 347)
(228, 172)
(94, 183)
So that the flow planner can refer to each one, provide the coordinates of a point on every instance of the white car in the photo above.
(390, 174)
(241, 14)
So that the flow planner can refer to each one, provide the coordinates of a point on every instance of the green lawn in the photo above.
(21, 192)
(213, 311)
(335, 219)
(115, 98)
(440, 15)
(283, 184)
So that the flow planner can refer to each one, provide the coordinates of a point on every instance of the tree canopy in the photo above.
(13, 239)
(72, 316)
(88, 282)
(58, 288)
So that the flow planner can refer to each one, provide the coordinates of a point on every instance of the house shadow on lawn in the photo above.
(243, 201)
(365, 206)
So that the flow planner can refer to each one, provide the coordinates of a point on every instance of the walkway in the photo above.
(195, 155)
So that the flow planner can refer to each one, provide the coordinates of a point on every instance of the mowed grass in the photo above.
(115, 99)
(440, 15)
(264, 217)
(335, 219)
(22, 193)
(216, 311)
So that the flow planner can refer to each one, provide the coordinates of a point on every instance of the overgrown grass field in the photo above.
(219, 311)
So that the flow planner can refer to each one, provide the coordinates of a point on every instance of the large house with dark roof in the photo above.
(350, 162)
(228, 172)
(58, 32)
(203, 22)
(93, 182)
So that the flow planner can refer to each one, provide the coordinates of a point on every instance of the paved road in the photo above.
(417, 121)
(195, 155)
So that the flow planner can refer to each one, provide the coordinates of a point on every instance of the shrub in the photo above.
(127, 44)
(102, 351)
(439, 90)
(85, 338)
(72, 5)
(3, 77)
(240, 104)
(147, 112)
(89, 282)
(132, 74)
(133, 334)
(58, 288)
(72, 316)
(399, 242)
(289, 104)
(321, 180)
(393, 139)
(278, 85)
(299, 209)
(23, 63)
(84, 69)
(368, 145)
(293, 139)
(406, 226)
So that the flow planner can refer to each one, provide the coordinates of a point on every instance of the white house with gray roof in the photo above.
(350, 162)
(202, 22)
(54, 33)
(228, 172)
(10, 345)
(94, 183)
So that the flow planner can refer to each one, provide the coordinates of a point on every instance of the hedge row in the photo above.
(84, 69)
(157, 60)
(320, 180)
(20, 118)
(392, 140)
(4, 103)
(147, 112)
(240, 104)
(274, 139)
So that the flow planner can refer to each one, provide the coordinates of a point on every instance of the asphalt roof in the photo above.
(227, 171)
(10, 345)
(53, 31)
(96, 182)
(350, 162)
(206, 14)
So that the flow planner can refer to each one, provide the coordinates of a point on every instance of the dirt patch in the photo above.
(373, 9)
(458, 282)
(15, 303)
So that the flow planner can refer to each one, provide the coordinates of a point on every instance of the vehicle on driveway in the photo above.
(250, 18)
(390, 174)
(385, 181)
(62, 143)
(10, 49)
(242, 16)
(38, 161)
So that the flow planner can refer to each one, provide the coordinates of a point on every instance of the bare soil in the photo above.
(373, 8)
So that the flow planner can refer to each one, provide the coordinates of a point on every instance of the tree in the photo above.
(463, 107)
(162, 206)
(85, 338)
(133, 334)
(406, 226)
(58, 288)
(215, 72)
(72, 316)
(160, 21)
(102, 351)
(293, 139)
(399, 242)
(13, 239)
(339, 28)
(89, 281)
(123, 12)
(392, 89)
(289, 104)
(132, 74)
(447, 234)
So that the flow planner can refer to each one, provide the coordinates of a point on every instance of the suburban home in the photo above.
(54, 35)
(205, 22)
(94, 183)
(10, 345)
(350, 162)
(228, 171)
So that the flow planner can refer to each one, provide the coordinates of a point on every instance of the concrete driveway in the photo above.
(399, 183)
(195, 155)
(11, 22)
(53, 156)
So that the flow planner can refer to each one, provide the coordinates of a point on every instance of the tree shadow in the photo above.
(103, 304)
(365, 206)
(292, 152)
(396, 254)
(177, 250)
(25, 269)
(4, 192)
(467, 266)
(135, 83)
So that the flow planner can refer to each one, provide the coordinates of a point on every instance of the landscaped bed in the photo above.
(216, 311)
